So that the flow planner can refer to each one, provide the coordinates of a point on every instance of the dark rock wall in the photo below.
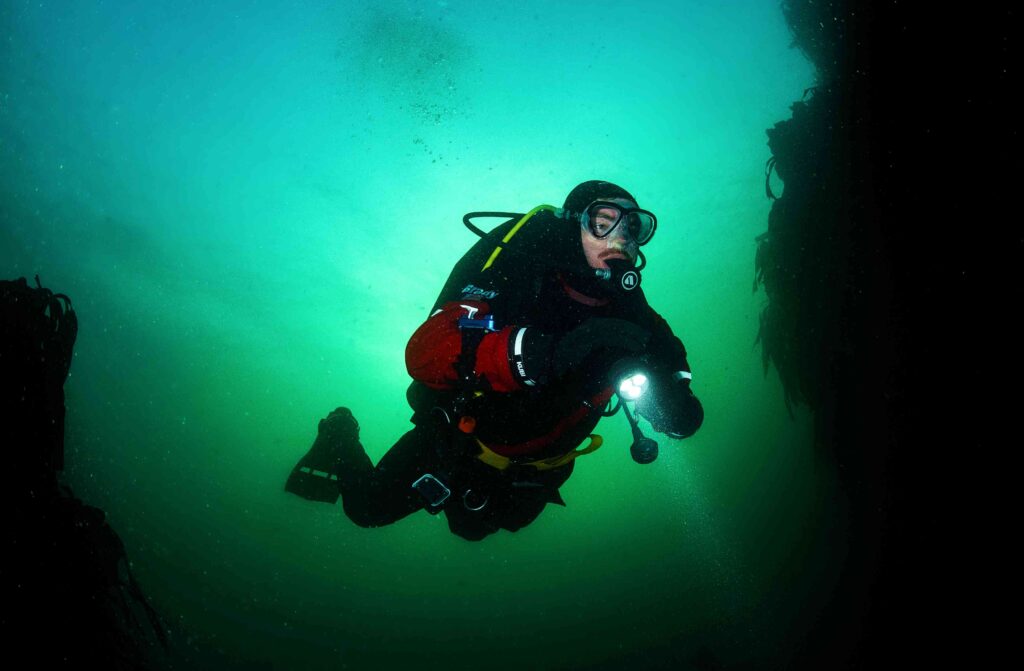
(69, 598)
(889, 235)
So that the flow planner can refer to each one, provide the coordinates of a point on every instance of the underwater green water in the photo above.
(254, 204)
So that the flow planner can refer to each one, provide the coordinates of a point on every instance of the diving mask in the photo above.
(603, 218)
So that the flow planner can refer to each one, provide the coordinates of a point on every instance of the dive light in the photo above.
(632, 385)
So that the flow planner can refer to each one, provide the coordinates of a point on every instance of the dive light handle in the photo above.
(644, 450)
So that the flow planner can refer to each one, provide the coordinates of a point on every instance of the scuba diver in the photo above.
(539, 326)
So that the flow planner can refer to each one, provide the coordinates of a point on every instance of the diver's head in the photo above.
(602, 236)
(612, 226)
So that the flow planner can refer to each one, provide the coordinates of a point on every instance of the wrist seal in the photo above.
(529, 356)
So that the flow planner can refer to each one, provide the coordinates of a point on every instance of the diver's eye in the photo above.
(603, 219)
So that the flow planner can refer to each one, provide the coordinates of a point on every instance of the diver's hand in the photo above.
(671, 407)
(537, 357)
(597, 337)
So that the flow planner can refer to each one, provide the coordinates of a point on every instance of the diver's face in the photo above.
(615, 246)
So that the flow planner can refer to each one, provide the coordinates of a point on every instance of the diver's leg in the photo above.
(338, 464)
(522, 505)
(374, 497)
(473, 525)
(497, 503)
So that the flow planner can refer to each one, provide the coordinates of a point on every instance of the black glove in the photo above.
(537, 357)
(598, 337)
(671, 407)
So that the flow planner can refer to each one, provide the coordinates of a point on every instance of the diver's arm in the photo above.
(433, 352)
(512, 358)
(671, 407)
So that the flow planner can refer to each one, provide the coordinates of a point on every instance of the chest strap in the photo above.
(472, 332)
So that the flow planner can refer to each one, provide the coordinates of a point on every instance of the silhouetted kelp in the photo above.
(70, 598)
(873, 265)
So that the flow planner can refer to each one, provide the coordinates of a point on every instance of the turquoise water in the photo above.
(253, 206)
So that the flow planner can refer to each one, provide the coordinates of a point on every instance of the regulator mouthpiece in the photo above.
(620, 273)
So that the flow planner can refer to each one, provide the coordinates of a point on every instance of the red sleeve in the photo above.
(434, 349)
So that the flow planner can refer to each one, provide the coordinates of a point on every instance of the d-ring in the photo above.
(465, 495)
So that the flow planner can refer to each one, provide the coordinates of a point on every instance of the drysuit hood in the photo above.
(579, 273)
(586, 193)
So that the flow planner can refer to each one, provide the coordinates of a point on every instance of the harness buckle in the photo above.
(433, 490)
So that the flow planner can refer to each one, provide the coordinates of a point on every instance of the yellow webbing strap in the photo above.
(501, 462)
(513, 231)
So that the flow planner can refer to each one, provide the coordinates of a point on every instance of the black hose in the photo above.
(468, 217)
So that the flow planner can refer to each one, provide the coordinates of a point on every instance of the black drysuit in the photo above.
(470, 388)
